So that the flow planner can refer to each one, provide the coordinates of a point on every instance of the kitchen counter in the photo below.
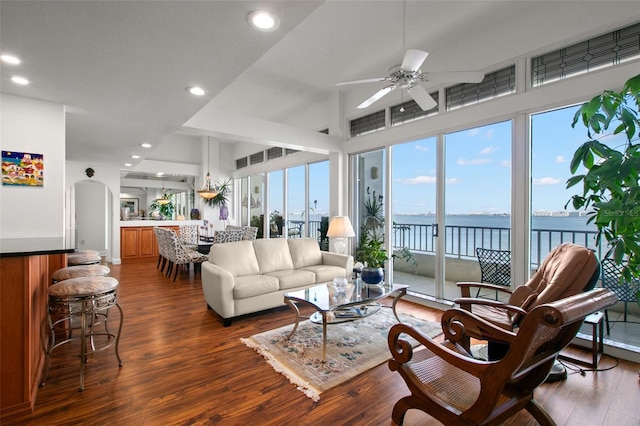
(137, 223)
(10, 247)
(26, 265)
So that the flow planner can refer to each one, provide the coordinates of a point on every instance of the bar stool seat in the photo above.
(74, 259)
(81, 303)
(80, 271)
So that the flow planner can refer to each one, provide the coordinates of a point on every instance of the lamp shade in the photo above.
(340, 226)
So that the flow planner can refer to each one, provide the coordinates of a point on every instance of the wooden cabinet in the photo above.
(138, 243)
(23, 302)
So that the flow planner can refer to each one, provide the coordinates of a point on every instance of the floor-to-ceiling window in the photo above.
(368, 212)
(276, 203)
(414, 212)
(319, 191)
(297, 208)
(553, 142)
(477, 198)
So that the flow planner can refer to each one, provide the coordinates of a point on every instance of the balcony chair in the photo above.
(567, 270)
(626, 291)
(495, 267)
(456, 389)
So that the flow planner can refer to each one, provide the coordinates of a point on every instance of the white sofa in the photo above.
(250, 276)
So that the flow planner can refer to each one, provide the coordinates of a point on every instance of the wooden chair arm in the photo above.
(465, 302)
(458, 325)
(402, 351)
(465, 288)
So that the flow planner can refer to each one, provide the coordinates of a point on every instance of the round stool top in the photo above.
(80, 259)
(83, 286)
(92, 252)
(80, 271)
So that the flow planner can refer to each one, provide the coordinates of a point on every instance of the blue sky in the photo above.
(478, 169)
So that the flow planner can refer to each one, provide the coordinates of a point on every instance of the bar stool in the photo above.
(84, 257)
(87, 301)
(80, 271)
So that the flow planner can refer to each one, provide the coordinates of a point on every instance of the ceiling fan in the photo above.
(409, 76)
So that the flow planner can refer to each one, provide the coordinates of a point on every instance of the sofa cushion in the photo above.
(304, 252)
(273, 255)
(292, 278)
(254, 285)
(238, 258)
(326, 273)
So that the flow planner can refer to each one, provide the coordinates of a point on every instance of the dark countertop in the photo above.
(11, 247)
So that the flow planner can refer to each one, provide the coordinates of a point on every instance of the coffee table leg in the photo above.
(402, 292)
(324, 336)
(297, 311)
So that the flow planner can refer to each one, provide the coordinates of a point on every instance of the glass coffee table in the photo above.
(358, 300)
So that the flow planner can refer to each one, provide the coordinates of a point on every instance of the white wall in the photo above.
(92, 201)
(110, 177)
(36, 127)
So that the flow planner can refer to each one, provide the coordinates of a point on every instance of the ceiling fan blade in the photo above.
(453, 77)
(368, 80)
(379, 94)
(413, 59)
(422, 97)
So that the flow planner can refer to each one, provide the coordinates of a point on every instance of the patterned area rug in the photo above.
(352, 348)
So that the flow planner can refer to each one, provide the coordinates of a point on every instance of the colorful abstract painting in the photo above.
(22, 169)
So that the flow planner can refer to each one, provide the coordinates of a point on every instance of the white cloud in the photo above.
(560, 159)
(506, 163)
(422, 148)
(473, 132)
(488, 150)
(472, 162)
(546, 181)
(489, 134)
(418, 180)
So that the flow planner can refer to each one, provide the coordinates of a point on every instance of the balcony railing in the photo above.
(462, 241)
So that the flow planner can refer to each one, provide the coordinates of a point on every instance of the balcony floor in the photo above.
(624, 335)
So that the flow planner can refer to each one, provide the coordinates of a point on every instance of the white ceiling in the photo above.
(121, 67)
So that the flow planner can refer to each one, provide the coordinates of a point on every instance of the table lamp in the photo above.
(340, 228)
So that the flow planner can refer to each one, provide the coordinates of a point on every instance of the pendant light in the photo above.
(208, 190)
(164, 199)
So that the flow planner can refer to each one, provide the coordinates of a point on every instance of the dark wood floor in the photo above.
(181, 366)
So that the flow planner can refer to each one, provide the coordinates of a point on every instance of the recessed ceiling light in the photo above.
(19, 80)
(195, 90)
(9, 59)
(145, 145)
(264, 21)
(160, 174)
(135, 156)
(127, 164)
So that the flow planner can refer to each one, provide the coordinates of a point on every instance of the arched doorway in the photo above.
(92, 204)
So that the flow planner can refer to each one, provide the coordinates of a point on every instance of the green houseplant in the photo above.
(221, 200)
(371, 249)
(610, 188)
(165, 210)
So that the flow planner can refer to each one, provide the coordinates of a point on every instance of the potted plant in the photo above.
(165, 210)
(372, 254)
(371, 251)
(223, 189)
(611, 192)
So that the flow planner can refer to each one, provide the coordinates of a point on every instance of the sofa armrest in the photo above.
(217, 286)
(335, 259)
